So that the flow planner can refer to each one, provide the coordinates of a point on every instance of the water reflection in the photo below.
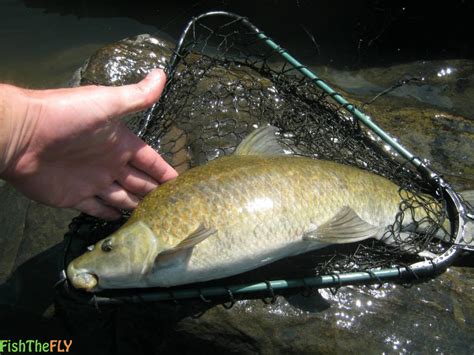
(444, 72)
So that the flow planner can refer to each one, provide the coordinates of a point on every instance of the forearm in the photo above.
(15, 128)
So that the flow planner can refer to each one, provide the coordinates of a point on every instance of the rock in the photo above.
(443, 84)
(44, 228)
(126, 61)
(438, 127)
(432, 316)
(211, 114)
(391, 319)
(445, 140)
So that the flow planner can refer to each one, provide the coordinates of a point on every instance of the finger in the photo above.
(116, 196)
(136, 97)
(151, 163)
(136, 182)
(95, 207)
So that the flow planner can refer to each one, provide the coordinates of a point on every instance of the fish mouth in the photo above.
(82, 279)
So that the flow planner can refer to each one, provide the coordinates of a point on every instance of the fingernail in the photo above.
(156, 74)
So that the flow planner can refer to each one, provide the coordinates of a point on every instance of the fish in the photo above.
(237, 213)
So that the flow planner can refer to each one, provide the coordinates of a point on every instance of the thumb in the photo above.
(126, 99)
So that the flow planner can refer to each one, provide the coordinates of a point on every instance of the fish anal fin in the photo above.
(345, 227)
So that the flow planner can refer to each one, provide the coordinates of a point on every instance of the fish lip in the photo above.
(88, 286)
(82, 279)
(96, 282)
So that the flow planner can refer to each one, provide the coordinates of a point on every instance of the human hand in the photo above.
(66, 147)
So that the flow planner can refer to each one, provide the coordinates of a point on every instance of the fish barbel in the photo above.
(238, 213)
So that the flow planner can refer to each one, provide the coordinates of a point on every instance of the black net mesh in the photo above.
(223, 83)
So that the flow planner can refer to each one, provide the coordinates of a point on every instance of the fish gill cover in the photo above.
(223, 83)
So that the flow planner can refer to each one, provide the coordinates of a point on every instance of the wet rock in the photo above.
(215, 111)
(44, 228)
(438, 127)
(444, 84)
(445, 140)
(126, 61)
(30, 250)
(393, 319)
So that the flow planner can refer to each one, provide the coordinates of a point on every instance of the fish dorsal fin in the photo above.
(262, 141)
(345, 227)
(200, 234)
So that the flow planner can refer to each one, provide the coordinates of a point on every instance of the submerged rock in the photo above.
(12, 223)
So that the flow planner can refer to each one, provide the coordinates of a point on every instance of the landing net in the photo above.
(225, 79)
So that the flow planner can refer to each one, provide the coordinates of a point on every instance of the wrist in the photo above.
(16, 128)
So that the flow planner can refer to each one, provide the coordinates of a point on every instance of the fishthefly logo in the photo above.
(34, 346)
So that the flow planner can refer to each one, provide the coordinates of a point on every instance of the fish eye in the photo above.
(106, 245)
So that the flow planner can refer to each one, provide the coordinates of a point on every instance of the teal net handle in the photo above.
(267, 288)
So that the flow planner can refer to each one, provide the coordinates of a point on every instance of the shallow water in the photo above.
(41, 46)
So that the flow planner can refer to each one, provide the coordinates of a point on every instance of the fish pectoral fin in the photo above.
(345, 227)
(200, 234)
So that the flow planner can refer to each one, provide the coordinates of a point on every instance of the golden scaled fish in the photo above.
(237, 213)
